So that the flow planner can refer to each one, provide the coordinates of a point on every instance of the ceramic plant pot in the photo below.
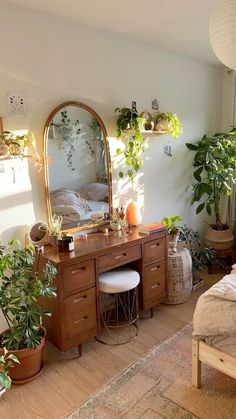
(39, 234)
(219, 239)
(53, 239)
(172, 242)
(30, 362)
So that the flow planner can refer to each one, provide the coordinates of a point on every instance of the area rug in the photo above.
(158, 385)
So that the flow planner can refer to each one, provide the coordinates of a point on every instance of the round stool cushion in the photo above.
(119, 280)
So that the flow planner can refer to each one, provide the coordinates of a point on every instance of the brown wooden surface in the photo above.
(79, 270)
(67, 382)
(78, 277)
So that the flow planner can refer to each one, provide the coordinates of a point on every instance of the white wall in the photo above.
(51, 61)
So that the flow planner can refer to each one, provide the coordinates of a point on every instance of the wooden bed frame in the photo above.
(201, 352)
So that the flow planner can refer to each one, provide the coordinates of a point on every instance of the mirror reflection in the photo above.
(78, 183)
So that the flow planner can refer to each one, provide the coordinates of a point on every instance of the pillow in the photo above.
(95, 191)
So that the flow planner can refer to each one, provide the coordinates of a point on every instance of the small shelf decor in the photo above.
(132, 127)
(12, 145)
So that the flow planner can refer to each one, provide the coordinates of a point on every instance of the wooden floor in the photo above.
(66, 382)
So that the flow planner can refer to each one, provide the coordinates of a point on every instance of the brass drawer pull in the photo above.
(155, 268)
(78, 270)
(155, 245)
(79, 299)
(121, 256)
(81, 319)
(156, 285)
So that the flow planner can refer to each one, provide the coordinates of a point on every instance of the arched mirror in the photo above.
(77, 166)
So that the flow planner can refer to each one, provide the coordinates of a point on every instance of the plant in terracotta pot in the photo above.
(168, 123)
(129, 129)
(20, 290)
(173, 229)
(20, 145)
(214, 172)
(6, 361)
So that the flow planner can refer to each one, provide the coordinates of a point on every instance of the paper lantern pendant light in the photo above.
(223, 32)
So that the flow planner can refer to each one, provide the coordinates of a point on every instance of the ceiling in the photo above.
(176, 25)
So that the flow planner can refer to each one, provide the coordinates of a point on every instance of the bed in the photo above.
(214, 329)
(77, 206)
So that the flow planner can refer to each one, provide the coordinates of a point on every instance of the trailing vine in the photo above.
(70, 134)
(129, 125)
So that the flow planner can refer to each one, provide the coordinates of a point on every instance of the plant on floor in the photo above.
(169, 123)
(6, 361)
(202, 256)
(21, 288)
(214, 171)
(129, 127)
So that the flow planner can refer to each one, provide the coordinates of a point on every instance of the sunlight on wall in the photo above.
(16, 205)
(123, 190)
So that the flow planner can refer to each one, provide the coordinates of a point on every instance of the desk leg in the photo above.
(151, 312)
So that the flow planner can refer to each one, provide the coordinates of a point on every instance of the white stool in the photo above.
(119, 306)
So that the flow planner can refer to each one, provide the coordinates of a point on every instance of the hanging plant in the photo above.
(168, 123)
(71, 133)
(129, 126)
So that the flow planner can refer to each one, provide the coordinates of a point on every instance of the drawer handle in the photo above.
(81, 319)
(155, 268)
(155, 245)
(121, 256)
(78, 270)
(156, 285)
(79, 299)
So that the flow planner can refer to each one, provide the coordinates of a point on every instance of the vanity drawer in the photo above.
(154, 281)
(80, 313)
(112, 260)
(154, 250)
(78, 277)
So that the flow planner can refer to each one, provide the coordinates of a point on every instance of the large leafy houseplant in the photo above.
(129, 127)
(214, 171)
(20, 290)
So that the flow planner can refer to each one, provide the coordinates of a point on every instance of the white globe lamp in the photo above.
(223, 32)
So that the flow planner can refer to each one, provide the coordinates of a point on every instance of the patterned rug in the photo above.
(158, 385)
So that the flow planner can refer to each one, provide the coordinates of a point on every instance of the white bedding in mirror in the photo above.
(73, 207)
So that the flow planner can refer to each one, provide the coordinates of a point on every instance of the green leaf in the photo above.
(121, 175)
(208, 208)
(192, 146)
(197, 174)
(118, 151)
(200, 208)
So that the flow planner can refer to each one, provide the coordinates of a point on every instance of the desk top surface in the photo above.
(98, 243)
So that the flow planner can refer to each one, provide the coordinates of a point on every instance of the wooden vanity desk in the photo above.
(75, 311)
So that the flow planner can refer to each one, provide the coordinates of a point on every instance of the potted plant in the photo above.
(55, 228)
(19, 145)
(168, 123)
(118, 221)
(129, 128)
(214, 173)
(173, 230)
(20, 290)
(202, 256)
(6, 361)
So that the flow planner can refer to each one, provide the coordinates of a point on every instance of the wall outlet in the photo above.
(16, 103)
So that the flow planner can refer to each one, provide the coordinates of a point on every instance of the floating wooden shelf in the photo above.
(16, 156)
(153, 132)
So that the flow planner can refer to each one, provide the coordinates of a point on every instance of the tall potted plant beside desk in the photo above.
(20, 291)
(214, 173)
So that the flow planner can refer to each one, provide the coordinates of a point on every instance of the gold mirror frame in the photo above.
(45, 161)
